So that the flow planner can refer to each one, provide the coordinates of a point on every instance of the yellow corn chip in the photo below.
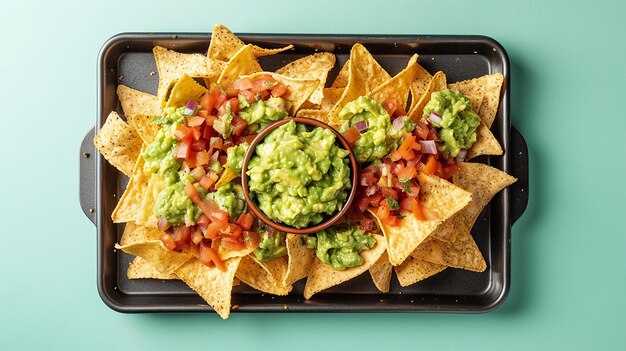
(486, 143)
(242, 63)
(437, 83)
(215, 69)
(163, 260)
(341, 81)
(323, 276)
(144, 127)
(136, 102)
(276, 268)
(491, 85)
(447, 231)
(227, 175)
(251, 273)
(298, 90)
(137, 233)
(129, 206)
(413, 270)
(314, 66)
(397, 87)
(331, 97)
(419, 85)
(300, 259)
(213, 285)
(146, 215)
(119, 143)
(142, 269)
(381, 273)
(315, 114)
(472, 89)
(224, 45)
(462, 253)
(184, 90)
(436, 194)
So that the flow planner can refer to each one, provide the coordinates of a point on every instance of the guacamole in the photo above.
(380, 137)
(271, 247)
(229, 198)
(224, 124)
(341, 247)
(458, 121)
(298, 176)
(261, 113)
(235, 155)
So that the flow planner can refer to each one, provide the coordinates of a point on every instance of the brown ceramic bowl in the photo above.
(283, 227)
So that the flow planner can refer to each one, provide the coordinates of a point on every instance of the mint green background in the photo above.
(568, 97)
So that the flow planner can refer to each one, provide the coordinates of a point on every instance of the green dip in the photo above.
(261, 113)
(271, 247)
(230, 199)
(380, 137)
(298, 176)
(235, 155)
(341, 247)
(458, 120)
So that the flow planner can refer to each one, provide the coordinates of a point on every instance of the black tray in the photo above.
(127, 59)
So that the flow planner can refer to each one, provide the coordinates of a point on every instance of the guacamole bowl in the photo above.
(299, 175)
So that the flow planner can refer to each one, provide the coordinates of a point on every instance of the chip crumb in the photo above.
(91, 210)
(285, 307)
(235, 307)
(86, 154)
(120, 78)
(174, 36)
(152, 73)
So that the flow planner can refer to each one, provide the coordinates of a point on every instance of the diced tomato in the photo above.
(400, 111)
(388, 192)
(368, 177)
(405, 204)
(264, 83)
(352, 135)
(222, 159)
(168, 241)
(239, 125)
(213, 230)
(202, 158)
(418, 210)
(395, 155)
(231, 91)
(406, 148)
(246, 139)
(391, 220)
(251, 239)
(182, 132)
(197, 173)
(198, 145)
(264, 95)
(382, 212)
(447, 171)
(232, 245)
(234, 105)
(216, 143)
(243, 84)
(191, 159)
(210, 120)
(194, 250)
(196, 132)
(207, 102)
(245, 221)
(182, 150)
(362, 203)
(214, 213)
(390, 105)
(207, 254)
(220, 99)
(181, 234)
(421, 130)
(431, 165)
(203, 220)
(249, 95)
(208, 180)
(196, 236)
(376, 199)
(407, 173)
(202, 113)
(279, 90)
(192, 194)
(195, 121)
(367, 224)
(234, 229)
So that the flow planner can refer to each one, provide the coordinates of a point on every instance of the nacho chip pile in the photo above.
(415, 249)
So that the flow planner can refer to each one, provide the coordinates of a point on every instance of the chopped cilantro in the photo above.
(406, 186)
(392, 203)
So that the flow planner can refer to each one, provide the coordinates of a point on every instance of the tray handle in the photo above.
(519, 169)
(87, 176)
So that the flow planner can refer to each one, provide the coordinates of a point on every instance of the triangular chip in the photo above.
(472, 89)
(184, 90)
(241, 64)
(314, 66)
(491, 85)
(215, 69)
(486, 143)
(413, 270)
(331, 97)
(365, 75)
(224, 44)
(139, 268)
(137, 233)
(171, 65)
(419, 85)
(398, 86)
(251, 273)
(146, 215)
(462, 253)
(448, 230)
(213, 285)
(276, 268)
(341, 81)
(163, 260)
(315, 114)
(135, 102)
(144, 127)
(298, 90)
(381, 273)
(300, 259)
(437, 83)
(129, 206)
(225, 178)
(323, 276)
(442, 198)
(119, 143)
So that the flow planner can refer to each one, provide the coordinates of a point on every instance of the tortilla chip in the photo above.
(413, 270)
(472, 89)
(419, 85)
(163, 260)
(300, 259)
(137, 233)
(397, 87)
(436, 194)
(129, 206)
(365, 75)
(314, 66)
(142, 269)
(171, 65)
(298, 90)
(276, 268)
(381, 273)
(146, 215)
(184, 90)
(213, 285)
(144, 127)
(323, 276)
(341, 81)
(437, 83)
(447, 231)
(486, 143)
(242, 63)
(491, 85)
(215, 69)
(228, 254)
(315, 114)
(224, 45)
(119, 143)
(134, 102)
(251, 273)
(227, 175)
(331, 97)
(462, 253)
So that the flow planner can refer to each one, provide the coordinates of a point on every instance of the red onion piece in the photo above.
(428, 146)
(460, 157)
(435, 118)
(162, 224)
(214, 157)
(398, 123)
(190, 108)
(424, 121)
(361, 126)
